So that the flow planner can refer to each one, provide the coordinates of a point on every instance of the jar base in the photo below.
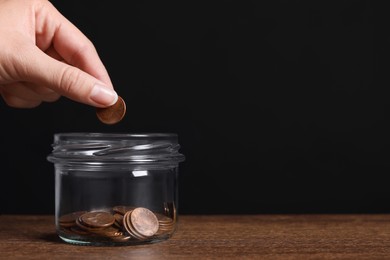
(111, 242)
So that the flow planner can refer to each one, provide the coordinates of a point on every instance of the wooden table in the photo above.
(216, 237)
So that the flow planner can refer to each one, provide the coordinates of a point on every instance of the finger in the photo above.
(69, 42)
(53, 53)
(64, 79)
(46, 94)
(31, 92)
(16, 102)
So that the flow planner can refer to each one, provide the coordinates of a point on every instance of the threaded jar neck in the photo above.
(118, 148)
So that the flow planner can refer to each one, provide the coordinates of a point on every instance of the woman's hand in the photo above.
(44, 56)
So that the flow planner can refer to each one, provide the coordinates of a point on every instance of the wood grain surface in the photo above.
(216, 237)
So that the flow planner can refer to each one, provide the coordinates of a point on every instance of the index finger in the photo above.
(53, 29)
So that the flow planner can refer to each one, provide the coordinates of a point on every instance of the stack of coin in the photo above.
(140, 223)
(170, 210)
(118, 224)
(99, 223)
(69, 220)
(166, 224)
(119, 212)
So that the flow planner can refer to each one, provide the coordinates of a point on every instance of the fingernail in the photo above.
(104, 95)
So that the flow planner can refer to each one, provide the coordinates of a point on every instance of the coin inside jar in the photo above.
(144, 222)
(69, 220)
(119, 224)
(112, 114)
(97, 219)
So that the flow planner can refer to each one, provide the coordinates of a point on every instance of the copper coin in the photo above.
(97, 219)
(108, 232)
(122, 209)
(144, 221)
(85, 227)
(69, 220)
(71, 217)
(112, 114)
(118, 218)
(127, 225)
(163, 218)
(170, 210)
(79, 231)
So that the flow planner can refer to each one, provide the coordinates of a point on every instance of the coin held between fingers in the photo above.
(112, 114)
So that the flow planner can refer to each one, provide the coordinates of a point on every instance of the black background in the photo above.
(280, 106)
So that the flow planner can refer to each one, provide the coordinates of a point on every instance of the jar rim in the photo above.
(139, 148)
(118, 134)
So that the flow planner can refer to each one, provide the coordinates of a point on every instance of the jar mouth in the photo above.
(129, 148)
(109, 136)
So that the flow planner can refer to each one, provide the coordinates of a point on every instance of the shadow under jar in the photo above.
(115, 189)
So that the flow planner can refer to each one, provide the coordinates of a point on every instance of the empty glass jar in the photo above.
(114, 188)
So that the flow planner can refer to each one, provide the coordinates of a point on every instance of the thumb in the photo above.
(67, 80)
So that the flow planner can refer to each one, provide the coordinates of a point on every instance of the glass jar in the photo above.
(114, 188)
